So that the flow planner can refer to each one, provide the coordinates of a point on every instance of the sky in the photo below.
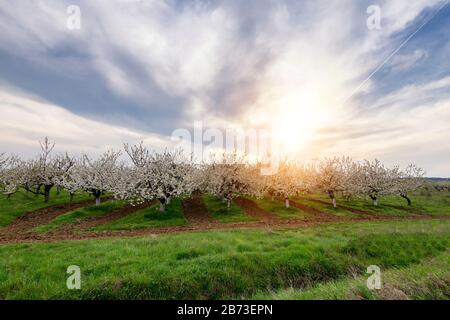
(313, 72)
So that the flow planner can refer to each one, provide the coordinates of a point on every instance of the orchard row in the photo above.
(160, 176)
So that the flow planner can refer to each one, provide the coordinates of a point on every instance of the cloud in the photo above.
(412, 126)
(145, 68)
(27, 119)
(415, 95)
(406, 61)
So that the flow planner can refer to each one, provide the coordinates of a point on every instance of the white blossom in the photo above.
(157, 175)
(289, 180)
(409, 180)
(11, 174)
(46, 171)
(95, 177)
(230, 176)
(330, 177)
(377, 180)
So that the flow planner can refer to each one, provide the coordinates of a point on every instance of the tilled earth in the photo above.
(199, 219)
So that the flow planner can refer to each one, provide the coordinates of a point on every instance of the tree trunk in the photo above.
(333, 198)
(374, 200)
(71, 198)
(228, 204)
(404, 196)
(47, 193)
(162, 204)
(97, 195)
(286, 202)
(168, 200)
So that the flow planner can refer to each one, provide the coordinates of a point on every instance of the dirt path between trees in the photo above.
(23, 227)
(195, 211)
(376, 216)
(33, 219)
(199, 219)
(91, 222)
(362, 214)
(408, 210)
(262, 225)
(316, 214)
(252, 209)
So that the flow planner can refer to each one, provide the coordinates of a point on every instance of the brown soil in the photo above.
(199, 220)
(190, 228)
(195, 211)
(91, 222)
(366, 215)
(375, 216)
(408, 210)
(31, 220)
(252, 209)
(316, 214)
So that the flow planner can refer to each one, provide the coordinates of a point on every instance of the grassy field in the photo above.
(22, 202)
(322, 262)
(233, 264)
(433, 203)
(429, 280)
(219, 211)
(80, 214)
(385, 207)
(149, 217)
(327, 208)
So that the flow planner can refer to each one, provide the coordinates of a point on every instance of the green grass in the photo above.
(219, 211)
(279, 209)
(326, 208)
(148, 218)
(80, 214)
(23, 202)
(221, 265)
(434, 203)
(429, 280)
(427, 202)
(430, 202)
(384, 205)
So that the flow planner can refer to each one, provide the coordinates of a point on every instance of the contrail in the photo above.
(395, 52)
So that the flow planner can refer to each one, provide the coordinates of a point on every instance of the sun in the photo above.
(295, 120)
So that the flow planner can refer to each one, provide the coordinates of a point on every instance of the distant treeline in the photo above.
(434, 179)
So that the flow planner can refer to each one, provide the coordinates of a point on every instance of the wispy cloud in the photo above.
(149, 67)
(406, 61)
(27, 118)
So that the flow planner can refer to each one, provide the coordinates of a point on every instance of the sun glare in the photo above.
(295, 120)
